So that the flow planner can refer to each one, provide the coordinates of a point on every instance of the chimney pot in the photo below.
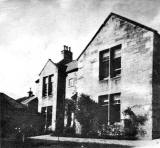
(67, 54)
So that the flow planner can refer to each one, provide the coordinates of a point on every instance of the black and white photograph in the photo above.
(79, 73)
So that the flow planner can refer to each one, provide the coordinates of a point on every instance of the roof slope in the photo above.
(19, 100)
(49, 60)
(4, 99)
(121, 17)
(72, 66)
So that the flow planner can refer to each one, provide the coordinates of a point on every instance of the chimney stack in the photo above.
(67, 54)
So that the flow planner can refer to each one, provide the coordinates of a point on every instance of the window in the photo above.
(71, 82)
(47, 88)
(44, 89)
(47, 114)
(104, 64)
(103, 100)
(109, 108)
(116, 61)
(104, 107)
(115, 108)
(50, 85)
(110, 62)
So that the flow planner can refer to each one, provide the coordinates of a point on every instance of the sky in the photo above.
(33, 31)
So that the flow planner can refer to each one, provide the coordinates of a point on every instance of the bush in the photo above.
(111, 131)
(132, 125)
(69, 131)
(85, 114)
(93, 124)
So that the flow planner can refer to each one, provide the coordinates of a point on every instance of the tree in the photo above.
(86, 113)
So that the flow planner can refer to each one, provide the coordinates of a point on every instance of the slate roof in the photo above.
(29, 99)
(21, 99)
(72, 66)
(4, 99)
(123, 18)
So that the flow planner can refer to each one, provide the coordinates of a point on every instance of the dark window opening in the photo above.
(109, 108)
(116, 61)
(110, 62)
(47, 113)
(115, 108)
(44, 89)
(103, 110)
(47, 86)
(50, 85)
(104, 64)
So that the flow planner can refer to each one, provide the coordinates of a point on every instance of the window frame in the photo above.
(111, 70)
(113, 60)
(110, 105)
(46, 86)
(50, 85)
(101, 62)
(71, 82)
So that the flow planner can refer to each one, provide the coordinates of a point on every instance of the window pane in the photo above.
(45, 80)
(44, 87)
(50, 85)
(105, 69)
(116, 61)
(71, 82)
(117, 53)
(103, 109)
(104, 64)
(115, 108)
(105, 56)
(103, 100)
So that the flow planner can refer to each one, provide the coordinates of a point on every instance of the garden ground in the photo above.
(99, 143)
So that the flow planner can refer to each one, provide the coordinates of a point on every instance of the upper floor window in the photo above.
(116, 61)
(47, 86)
(104, 64)
(71, 82)
(110, 62)
(50, 85)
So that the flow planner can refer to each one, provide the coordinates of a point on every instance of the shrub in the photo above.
(69, 131)
(132, 125)
(85, 114)
(111, 131)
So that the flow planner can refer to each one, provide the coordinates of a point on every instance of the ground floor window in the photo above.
(110, 108)
(47, 113)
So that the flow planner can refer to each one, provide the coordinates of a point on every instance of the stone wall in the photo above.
(49, 69)
(135, 83)
(71, 90)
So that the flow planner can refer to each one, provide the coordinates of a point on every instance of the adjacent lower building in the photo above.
(119, 68)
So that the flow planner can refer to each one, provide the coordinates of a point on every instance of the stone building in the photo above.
(119, 67)
(51, 90)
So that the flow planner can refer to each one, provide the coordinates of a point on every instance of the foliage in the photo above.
(111, 131)
(85, 114)
(88, 114)
(69, 131)
(132, 125)
(70, 104)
